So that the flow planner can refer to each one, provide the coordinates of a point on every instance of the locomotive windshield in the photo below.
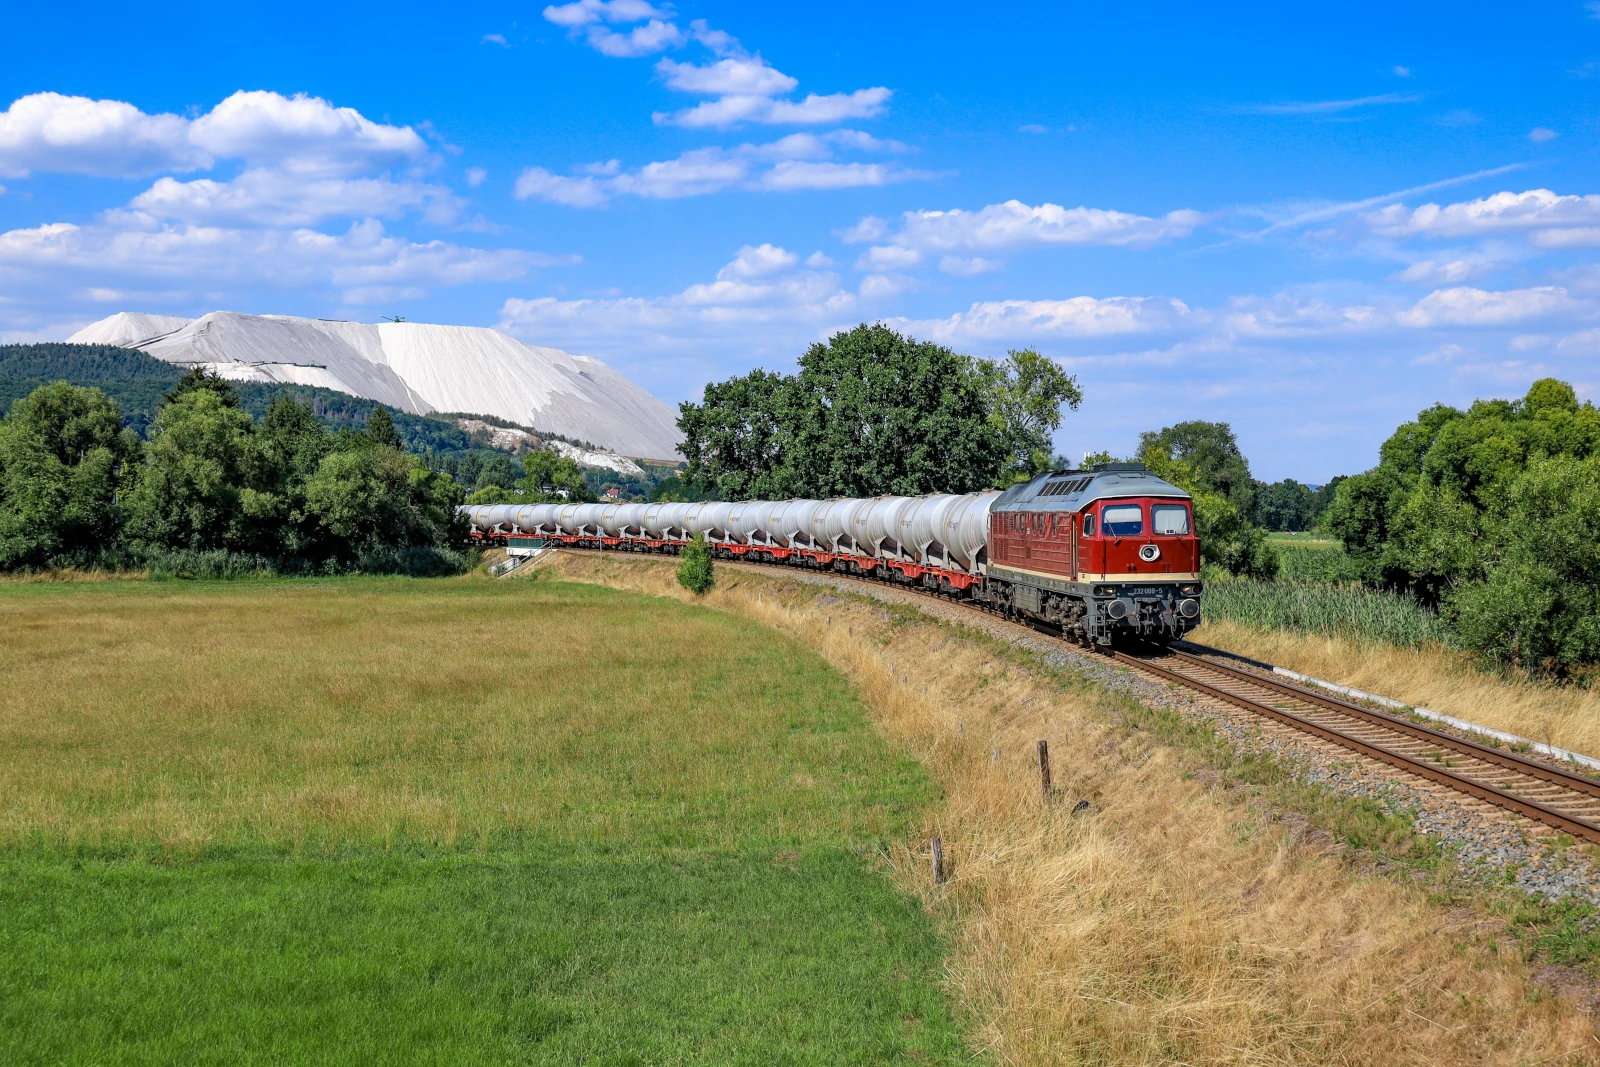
(1123, 520)
(1170, 519)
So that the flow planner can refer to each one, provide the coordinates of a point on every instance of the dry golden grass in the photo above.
(1428, 677)
(1168, 924)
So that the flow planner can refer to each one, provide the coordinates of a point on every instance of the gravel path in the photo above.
(1490, 842)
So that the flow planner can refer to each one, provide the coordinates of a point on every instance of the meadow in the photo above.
(386, 821)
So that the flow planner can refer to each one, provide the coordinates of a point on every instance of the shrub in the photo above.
(694, 568)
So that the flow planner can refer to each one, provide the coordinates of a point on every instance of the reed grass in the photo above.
(1346, 610)
(1184, 916)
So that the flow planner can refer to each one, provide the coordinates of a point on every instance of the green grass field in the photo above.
(375, 821)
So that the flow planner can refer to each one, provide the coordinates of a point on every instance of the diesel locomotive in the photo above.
(1102, 552)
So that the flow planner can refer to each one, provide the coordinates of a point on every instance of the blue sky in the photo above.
(1310, 225)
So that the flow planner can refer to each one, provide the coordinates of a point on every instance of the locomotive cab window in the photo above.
(1088, 525)
(1171, 520)
(1124, 520)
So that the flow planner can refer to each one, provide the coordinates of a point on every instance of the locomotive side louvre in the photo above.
(1101, 551)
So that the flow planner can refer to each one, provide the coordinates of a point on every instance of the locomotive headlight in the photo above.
(1190, 590)
(1150, 553)
(1105, 590)
(1189, 608)
(1118, 609)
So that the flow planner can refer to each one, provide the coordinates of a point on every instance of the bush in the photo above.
(694, 568)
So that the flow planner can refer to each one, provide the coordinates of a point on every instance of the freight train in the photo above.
(1103, 552)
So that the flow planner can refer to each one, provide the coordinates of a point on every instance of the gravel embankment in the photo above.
(1489, 841)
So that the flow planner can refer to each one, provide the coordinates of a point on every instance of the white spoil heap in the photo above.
(415, 367)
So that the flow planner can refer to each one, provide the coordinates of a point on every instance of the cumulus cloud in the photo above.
(1465, 306)
(271, 197)
(1550, 219)
(73, 134)
(799, 161)
(1011, 225)
(739, 76)
(589, 12)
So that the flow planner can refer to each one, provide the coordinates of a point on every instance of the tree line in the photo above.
(211, 488)
(1493, 515)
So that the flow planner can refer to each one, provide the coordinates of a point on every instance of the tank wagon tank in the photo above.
(1103, 552)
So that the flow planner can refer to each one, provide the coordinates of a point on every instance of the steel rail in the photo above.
(1499, 797)
(1510, 760)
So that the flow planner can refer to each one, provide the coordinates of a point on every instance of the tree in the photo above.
(1537, 606)
(380, 429)
(1203, 458)
(63, 457)
(198, 378)
(378, 498)
(199, 460)
(870, 412)
(1285, 506)
(695, 571)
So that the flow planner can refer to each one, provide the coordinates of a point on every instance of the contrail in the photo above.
(1356, 205)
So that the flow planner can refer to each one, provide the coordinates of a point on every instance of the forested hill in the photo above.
(138, 382)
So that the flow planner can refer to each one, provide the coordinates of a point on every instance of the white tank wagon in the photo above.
(934, 540)
(1105, 551)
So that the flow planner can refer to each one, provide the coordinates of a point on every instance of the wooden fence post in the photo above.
(937, 850)
(1044, 770)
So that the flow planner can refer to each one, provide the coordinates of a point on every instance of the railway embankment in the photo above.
(1198, 886)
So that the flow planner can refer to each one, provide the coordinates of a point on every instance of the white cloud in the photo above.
(794, 174)
(269, 197)
(1033, 127)
(494, 38)
(1465, 306)
(814, 110)
(588, 12)
(1402, 72)
(1076, 317)
(870, 228)
(1552, 219)
(888, 257)
(210, 259)
(817, 260)
(967, 266)
(758, 261)
(761, 287)
(1542, 133)
(798, 161)
(475, 176)
(76, 135)
(539, 184)
(302, 133)
(1014, 224)
(73, 134)
(875, 287)
(654, 36)
(744, 75)
(1446, 272)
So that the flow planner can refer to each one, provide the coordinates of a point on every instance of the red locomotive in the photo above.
(1098, 552)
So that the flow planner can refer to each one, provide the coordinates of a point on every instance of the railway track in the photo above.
(1558, 798)
(1549, 795)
